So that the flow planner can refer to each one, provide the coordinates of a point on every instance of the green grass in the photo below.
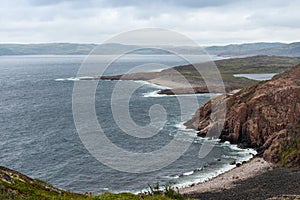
(250, 65)
(229, 67)
(20, 187)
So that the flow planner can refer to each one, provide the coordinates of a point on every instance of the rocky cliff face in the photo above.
(260, 116)
(283, 147)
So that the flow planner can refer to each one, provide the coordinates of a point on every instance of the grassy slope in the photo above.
(14, 185)
(35, 191)
(255, 64)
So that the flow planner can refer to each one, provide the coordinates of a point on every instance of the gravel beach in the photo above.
(256, 179)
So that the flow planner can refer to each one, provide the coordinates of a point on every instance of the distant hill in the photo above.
(271, 49)
(292, 49)
(85, 49)
(242, 49)
(46, 49)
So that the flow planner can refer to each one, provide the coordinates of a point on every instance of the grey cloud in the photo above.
(179, 3)
(138, 3)
(52, 2)
(208, 21)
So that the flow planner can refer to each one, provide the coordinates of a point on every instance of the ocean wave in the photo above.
(171, 177)
(175, 177)
(154, 94)
(206, 173)
(188, 173)
(202, 177)
(182, 127)
(151, 84)
(74, 78)
(239, 150)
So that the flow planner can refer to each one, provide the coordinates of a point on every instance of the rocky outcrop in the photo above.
(283, 147)
(259, 116)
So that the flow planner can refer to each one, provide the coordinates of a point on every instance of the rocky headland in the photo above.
(264, 116)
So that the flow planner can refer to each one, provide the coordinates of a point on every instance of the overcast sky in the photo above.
(207, 22)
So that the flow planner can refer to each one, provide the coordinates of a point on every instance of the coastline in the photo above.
(227, 180)
(210, 174)
(256, 179)
(223, 178)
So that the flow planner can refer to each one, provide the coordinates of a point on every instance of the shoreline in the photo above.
(225, 168)
(213, 183)
(224, 180)
(256, 179)
(227, 180)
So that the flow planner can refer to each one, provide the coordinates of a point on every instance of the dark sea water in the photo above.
(38, 135)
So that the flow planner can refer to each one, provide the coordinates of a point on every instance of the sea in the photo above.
(257, 77)
(38, 136)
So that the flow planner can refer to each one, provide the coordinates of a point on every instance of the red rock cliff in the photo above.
(257, 115)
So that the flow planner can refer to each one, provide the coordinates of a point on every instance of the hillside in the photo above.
(46, 49)
(271, 49)
(264, 116)
(85, 49)
(248, 49)
(242, 49)
(173, 77)
(17, 186)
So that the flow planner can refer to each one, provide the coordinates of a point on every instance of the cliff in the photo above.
(264, 116)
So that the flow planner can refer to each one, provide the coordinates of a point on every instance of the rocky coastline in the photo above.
(264, 116)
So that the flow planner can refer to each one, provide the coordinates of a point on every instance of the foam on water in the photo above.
(154, 94)
(205, 173)
(74, 78)
(204, 176)
(188, 173)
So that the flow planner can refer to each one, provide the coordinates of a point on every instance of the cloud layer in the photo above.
(93, 21)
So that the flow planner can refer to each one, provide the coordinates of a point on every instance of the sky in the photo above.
(208, 22)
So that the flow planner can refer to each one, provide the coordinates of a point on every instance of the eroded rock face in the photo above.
(283, 147)
(257, 113)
